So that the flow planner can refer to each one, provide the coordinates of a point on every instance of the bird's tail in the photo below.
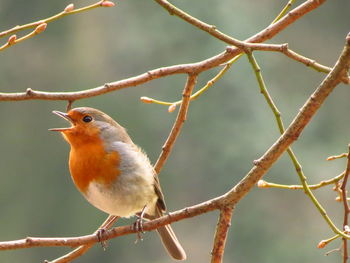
(170, 241)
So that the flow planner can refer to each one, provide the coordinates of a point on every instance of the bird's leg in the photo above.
(138, 225)
(100, 232)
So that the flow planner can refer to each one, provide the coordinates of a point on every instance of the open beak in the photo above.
(64, 116)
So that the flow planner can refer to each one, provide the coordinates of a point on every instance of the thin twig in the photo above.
(222, 228)
(13, 40)
(264, 184)
(181, 117)
(324, 243)
(346, 208)
(65, 12)
(284, 11)
(339, 156)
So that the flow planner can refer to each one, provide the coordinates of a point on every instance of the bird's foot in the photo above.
(138, 225)
(100, 233)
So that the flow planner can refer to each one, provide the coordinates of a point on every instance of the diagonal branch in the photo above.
(181, 118)
(291, 134)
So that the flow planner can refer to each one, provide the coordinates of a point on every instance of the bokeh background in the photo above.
(227, 128)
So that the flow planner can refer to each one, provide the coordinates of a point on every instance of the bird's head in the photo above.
(89, 125)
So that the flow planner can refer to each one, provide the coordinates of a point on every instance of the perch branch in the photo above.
(81, 250)
(115, 232)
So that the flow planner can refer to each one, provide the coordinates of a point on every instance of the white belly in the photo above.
(122, 200)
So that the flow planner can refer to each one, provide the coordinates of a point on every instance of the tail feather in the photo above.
(170, 241)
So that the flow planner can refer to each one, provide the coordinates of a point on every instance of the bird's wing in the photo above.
(160, 202)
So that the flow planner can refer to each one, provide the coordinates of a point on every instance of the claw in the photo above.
(138, 225)
(100, 233)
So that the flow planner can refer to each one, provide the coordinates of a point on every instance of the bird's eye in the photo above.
(87, 118)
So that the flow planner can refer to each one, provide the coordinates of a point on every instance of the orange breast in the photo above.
(91, 163)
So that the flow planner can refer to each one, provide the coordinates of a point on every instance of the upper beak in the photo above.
(64, 116)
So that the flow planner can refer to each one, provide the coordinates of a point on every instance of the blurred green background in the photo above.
(227, 128)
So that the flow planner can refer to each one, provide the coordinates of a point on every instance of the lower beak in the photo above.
(64, 116)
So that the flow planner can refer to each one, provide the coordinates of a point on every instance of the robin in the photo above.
(112, 173)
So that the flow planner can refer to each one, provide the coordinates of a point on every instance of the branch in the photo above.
(312, 63)
(181, 118)
(221, 234)
(188, 212)
(346, 208)
(108, 223)
(264, 184)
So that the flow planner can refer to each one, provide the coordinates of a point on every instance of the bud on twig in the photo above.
(107, 4)
(262, 184)
(12, 40)
(172, 107)
(146, 100)
(347, 229)
(69, 8)
(40, 28)
(322, 244)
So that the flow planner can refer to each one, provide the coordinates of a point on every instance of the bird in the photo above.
(112, 172)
